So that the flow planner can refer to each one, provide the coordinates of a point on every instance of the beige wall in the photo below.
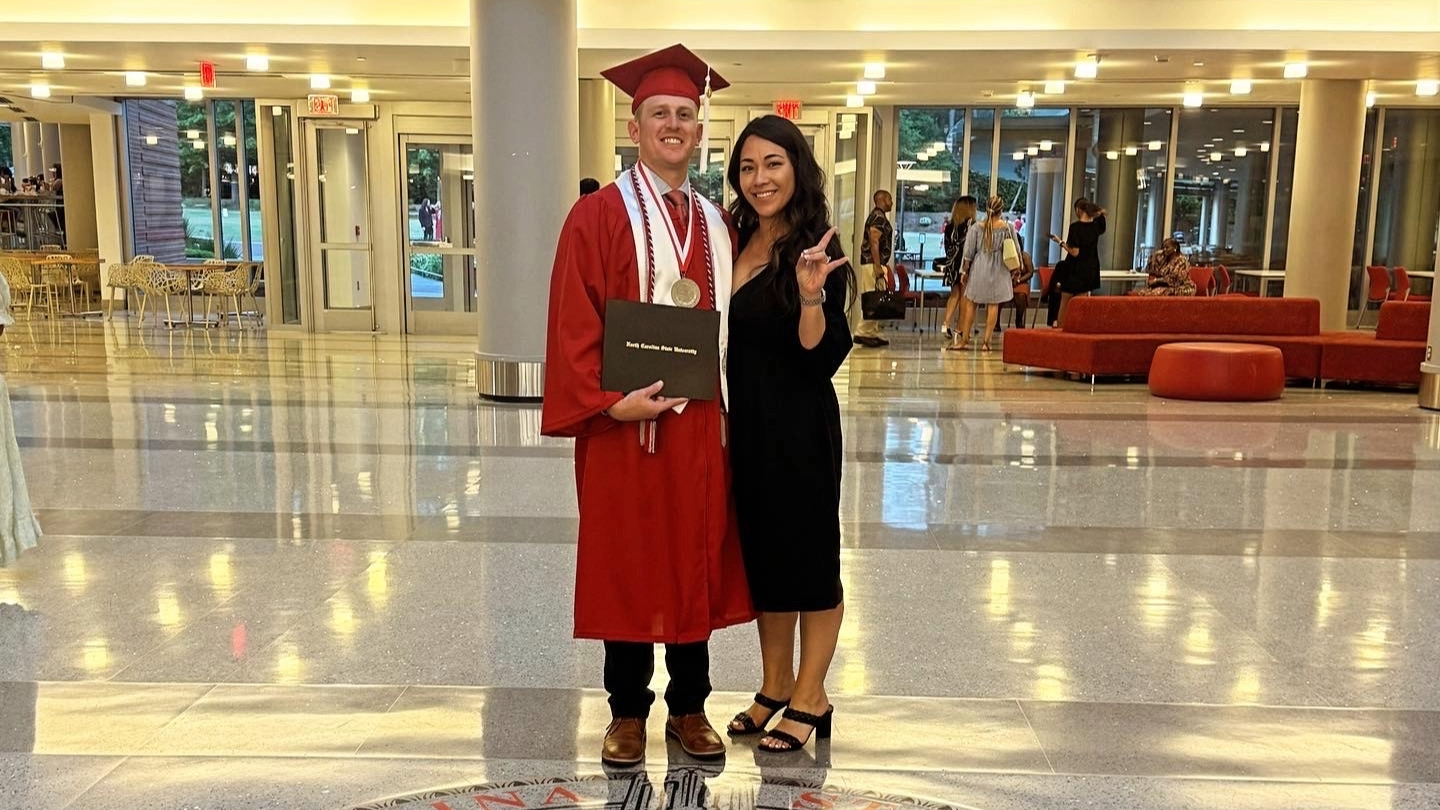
(78, 164)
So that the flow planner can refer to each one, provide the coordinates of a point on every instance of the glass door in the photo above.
(438, 205)
(341, 279)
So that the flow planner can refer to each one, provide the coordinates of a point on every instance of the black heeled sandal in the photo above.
(820, 730)
(748, 722)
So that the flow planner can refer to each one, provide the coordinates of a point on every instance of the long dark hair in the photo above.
(806, 217)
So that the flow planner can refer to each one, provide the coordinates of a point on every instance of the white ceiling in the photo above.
(818, 77)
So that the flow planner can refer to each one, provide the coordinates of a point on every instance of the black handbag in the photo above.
(882, 305)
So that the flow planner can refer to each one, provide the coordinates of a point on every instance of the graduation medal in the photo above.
(685, 293)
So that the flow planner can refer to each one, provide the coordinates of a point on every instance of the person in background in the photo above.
(875, 252)
(1081, 249)
(1168, 271)
(962, 216)
(589, 186)
(427, 220)
(987, 280)
(1021, 279)
(7, 180)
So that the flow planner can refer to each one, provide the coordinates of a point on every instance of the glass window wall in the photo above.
(982, 149)
(440, 226)
(1221, 185)
(1120, 164)
(930, 179)
(1408, 208)
(1031, 174)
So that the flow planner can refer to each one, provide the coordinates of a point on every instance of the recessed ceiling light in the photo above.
(1112, 155)
(228, 140)
(194, 93)
(1427, 87)
(1265, 147)
(1055, 88)
(135, 78)
(1087, 68)
(1161, 59)
(865, 87)
(198, 144)
(1132, 151)
(319, 81)
(257, 62)
(1198, 63)
(1241, 151)
(192, 134)
(875, 70)
(352, 131)
(51, 60)
(854, 101)
(40, 90)
(938, 147)
(1216, 157)
(1155, 146)
(152, 140)
(1025, 100)
(1032, 151)
(1238, 131)
(360, 95)
(1046, 146)
(1296, 70)
(1194, 98)
(1240, 87)
(1020, 155)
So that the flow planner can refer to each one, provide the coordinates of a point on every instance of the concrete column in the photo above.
(525, 133)
(35, 161)
(1202, 233)
(1328, 147)
(19, 156)
(1242, 185)
(1116, 189)
(49, 148)
(597, 130)
(109, 223)
(1046, 184)
(75, 154)
(1219, 218)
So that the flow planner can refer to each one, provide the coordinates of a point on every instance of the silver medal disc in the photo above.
(685, 293)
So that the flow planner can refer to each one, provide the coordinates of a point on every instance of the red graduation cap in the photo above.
(675, 71)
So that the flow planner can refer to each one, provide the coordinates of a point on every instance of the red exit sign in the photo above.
(207, 74)
(324, 105)
(789, 108)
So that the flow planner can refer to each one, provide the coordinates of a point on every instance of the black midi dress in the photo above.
(785, 446)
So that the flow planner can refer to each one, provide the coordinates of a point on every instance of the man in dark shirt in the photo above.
(875, 252)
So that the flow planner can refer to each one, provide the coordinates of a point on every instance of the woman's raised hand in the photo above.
(813, 268)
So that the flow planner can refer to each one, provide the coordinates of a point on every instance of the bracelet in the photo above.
(813, 302)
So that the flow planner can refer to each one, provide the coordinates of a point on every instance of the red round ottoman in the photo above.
(1218, 372)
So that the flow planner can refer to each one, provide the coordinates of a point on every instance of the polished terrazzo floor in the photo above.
(314, 572)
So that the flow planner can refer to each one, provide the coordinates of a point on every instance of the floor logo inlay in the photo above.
(686, 788)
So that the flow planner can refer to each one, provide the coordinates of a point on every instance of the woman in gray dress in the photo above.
(987, 278)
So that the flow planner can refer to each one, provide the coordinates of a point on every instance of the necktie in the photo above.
(675, 201)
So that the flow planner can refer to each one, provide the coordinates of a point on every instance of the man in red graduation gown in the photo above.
(659, 560)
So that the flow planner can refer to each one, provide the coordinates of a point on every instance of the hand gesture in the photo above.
(812, 268)
(644, 404)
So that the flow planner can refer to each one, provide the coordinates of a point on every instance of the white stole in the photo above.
(667, 264)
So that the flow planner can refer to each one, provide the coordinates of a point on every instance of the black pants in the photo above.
(1052, 300)
(629, 666)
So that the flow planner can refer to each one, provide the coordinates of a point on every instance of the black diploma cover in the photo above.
(646, 343)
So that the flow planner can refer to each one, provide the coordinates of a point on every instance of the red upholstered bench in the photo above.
(1218, 372)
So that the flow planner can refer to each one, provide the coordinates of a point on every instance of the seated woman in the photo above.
(1168, 272)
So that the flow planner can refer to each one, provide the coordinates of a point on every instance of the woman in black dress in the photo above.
(788, 335)
(1080, 274)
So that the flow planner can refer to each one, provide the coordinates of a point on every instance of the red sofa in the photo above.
(1391, 354)
(1118, 335)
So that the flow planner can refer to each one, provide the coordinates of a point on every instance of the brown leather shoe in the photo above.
(624, 742)
(696, 736)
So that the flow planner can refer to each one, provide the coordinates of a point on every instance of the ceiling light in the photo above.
(229, 140)
(923, 187)
(1296, 70)
(1112, 155)
(1240, 87)
(1020, 155)
(360, 95)
(192, 134)
(352, 131)
(1427, 87)
(198, 144)
(875, 70)
(194, 94)
(257, 62)
(938, 147)
(277, 111)
(1216, 157)
(1046, 146)
(1087, 68)
(319, 81)
(854, 101)
(1194, 98)
(1370, 99)
(865, 87)
(51, 60)
(40, 90)
(1132, 151)
(1241, 151)
(1055, 88)
(923, 156)
(1032, 151)
(152, 140)
(1025, 100)
(1265, 147)
(1156, 146)
(135, 78)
